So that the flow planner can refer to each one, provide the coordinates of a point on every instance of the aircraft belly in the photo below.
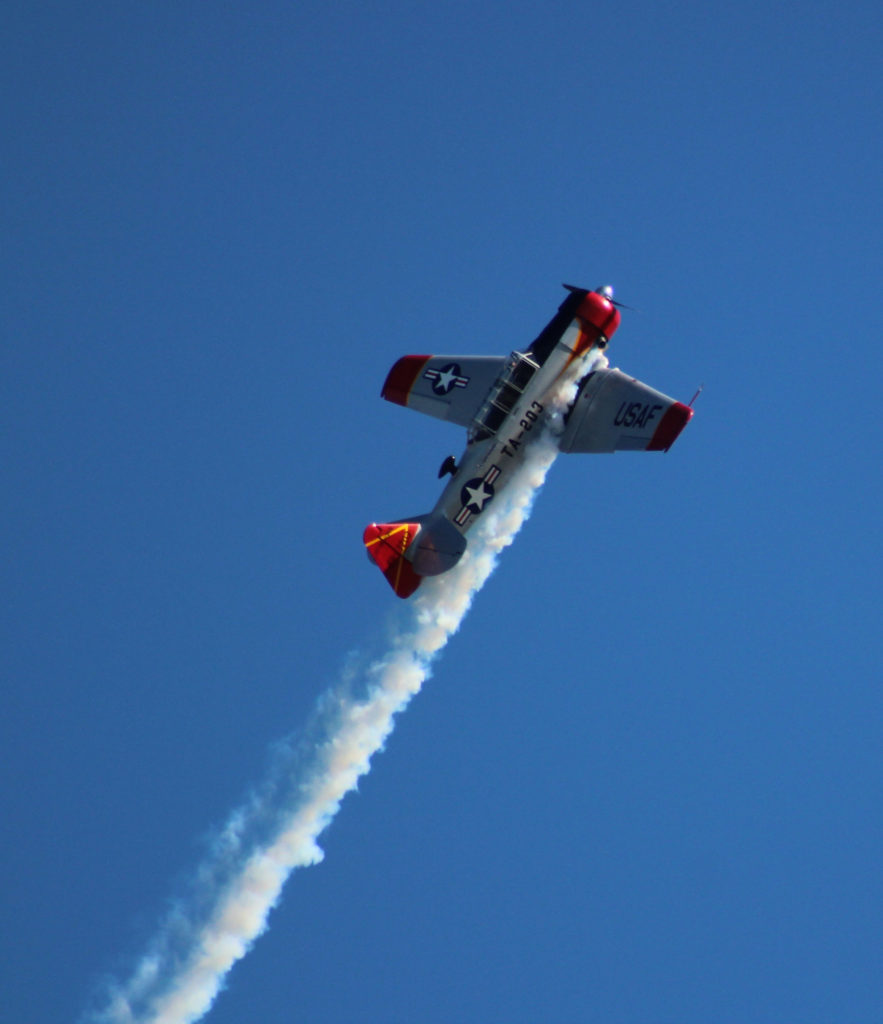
(486, 467)
(477, 485)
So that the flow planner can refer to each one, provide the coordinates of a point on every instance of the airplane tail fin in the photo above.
(386, 544)
(407, 552)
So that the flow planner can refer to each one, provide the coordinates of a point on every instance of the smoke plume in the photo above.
(177, 980)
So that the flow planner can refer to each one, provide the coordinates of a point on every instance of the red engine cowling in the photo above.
(600, 312)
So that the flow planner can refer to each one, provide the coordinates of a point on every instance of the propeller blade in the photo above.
(607, 292)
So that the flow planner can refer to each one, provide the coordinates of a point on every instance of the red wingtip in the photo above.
(401, 378)
(387, 543)
(676, 417)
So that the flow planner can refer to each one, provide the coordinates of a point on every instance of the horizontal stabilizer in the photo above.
(386, 544)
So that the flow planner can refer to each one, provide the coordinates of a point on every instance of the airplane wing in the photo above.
(449, 387)
(614, 412)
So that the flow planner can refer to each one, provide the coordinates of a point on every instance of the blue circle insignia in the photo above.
(476, 494)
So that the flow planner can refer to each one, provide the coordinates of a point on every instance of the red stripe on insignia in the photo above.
(401, 378)
(676, 417)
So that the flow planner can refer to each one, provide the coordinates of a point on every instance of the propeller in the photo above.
(607, 291)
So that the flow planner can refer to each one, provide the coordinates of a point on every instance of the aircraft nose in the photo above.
(597, 308)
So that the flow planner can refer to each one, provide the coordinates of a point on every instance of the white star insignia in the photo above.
(445, 379)
(478, 496)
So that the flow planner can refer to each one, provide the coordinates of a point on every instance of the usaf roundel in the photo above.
(446, 379)
(476, 494)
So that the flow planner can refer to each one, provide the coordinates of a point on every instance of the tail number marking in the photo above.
(531, 417)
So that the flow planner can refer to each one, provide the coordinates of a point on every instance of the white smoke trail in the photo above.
(175, 985)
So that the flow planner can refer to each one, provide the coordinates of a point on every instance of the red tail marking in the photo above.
(387, 544)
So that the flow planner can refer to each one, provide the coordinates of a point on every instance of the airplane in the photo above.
(505, 402)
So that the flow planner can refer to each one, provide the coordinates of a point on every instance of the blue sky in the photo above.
(644, 783)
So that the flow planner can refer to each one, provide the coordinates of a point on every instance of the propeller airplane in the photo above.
(505, 402)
